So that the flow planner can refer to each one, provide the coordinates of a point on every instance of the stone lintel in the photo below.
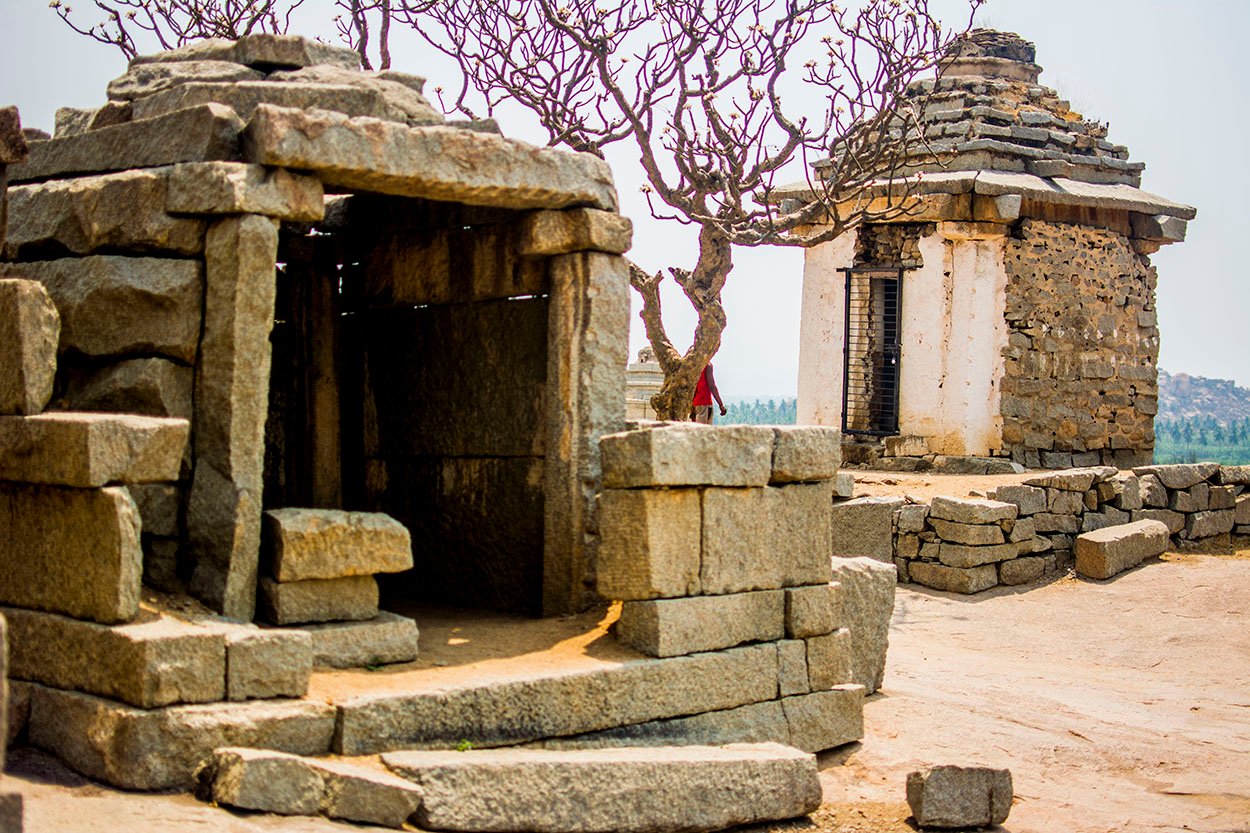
(440, 163)
(961, 232)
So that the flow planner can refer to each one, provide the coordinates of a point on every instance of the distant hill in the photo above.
(1182, 396)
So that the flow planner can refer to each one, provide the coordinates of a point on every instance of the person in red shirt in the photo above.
(704, 392)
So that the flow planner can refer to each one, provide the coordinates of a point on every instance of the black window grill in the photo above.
(872, 354)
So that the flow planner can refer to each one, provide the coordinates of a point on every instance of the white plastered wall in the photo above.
(953, 334)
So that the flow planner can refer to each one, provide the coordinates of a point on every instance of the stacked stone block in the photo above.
(320, 567)
(715, 538)
(1199, 502)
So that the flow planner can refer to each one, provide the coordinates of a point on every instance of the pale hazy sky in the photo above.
(1169, 77)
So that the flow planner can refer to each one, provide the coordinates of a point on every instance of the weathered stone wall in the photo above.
(891, 244)
(1079, 386)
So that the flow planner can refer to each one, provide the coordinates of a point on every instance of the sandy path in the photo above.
(1118, 706)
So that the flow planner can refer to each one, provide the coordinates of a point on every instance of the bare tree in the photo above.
(697, 86)
(173, 23)
(354, 28)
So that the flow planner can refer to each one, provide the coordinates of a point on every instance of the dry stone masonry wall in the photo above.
(1022, 532)
(1079, 384)
(716, 538)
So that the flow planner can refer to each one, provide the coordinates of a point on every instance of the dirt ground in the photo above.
(1118, 706)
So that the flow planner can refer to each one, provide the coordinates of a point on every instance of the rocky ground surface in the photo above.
(1119, 706)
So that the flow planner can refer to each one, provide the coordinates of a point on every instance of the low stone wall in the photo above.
(717, 537)
(1022, 532)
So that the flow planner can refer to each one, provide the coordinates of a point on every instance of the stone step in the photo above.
(524, 709)
(650, 789)
(140, 749)
(89, 450)
(276, 782)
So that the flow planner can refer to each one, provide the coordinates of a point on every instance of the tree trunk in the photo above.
(703, 289)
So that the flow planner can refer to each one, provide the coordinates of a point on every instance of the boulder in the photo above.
(304, 544)
(675, 627)
(1029, 499)
(402, 100)
(1021, 570)
(1208, 524)
(260, 51)
(30, 328)
(145, 79)
(953, 579)
(260, 779)
(1103, 553)
(650, 789)
(686, 454)
(959, 797)
(70, 551)
(113, 306)
(89, 450)
(437, 163)
(867, 591)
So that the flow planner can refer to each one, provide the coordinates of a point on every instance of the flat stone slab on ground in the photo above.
(959, 797)
(675, 627)
(685, 454)
(89, 450)
(277, 782)
(30, 328)
(329, 544)
(437, 163)
(156, 662)
(138, 749)
(1103, 553)
(652, 789)
(385, 639)
(71, 551)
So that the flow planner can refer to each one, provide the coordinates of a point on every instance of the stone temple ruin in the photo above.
(1010, 313)
(270, 329)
